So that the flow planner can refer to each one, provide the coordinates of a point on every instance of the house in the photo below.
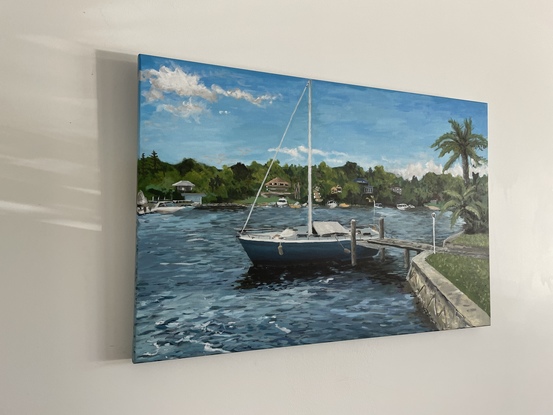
(317, 194)
(336, 189)
(183, 186)
(194, 198)
(278, 185)
(366, 187)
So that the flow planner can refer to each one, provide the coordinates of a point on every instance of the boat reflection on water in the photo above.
(380, 272)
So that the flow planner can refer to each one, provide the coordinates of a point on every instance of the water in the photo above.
(197, 294)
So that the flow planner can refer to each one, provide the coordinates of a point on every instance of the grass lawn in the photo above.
(470, 275)
(479, 240)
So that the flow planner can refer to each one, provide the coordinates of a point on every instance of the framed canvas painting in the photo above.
(279, 211)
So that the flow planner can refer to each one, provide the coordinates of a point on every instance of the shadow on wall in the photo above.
(117, 92)
(68, 198)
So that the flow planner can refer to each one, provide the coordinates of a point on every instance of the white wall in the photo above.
(67, 166)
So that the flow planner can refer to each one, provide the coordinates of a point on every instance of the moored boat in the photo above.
(317, 242)
(166, 207)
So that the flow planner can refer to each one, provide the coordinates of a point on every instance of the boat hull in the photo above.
(277, 252)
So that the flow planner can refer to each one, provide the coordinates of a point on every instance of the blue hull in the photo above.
(282, 252)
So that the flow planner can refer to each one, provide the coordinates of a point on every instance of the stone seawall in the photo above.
(447, 306)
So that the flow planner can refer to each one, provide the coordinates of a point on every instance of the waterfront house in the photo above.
(195, 198)
(183, 186)
(366, 188)
(277, 185)
(336, 189)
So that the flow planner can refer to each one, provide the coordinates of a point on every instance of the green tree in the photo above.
(461, 143)
(155, 161)
(464, 202)
(382, 182)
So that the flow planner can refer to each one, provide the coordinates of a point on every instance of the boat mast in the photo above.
(273, 160)
(309, 162)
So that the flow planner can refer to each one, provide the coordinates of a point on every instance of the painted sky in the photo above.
(221, 116)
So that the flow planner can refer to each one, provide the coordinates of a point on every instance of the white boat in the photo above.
(402, 206)
(166, 207)
(281, 202)
(315, 242)
(141, 204)
(331, 204)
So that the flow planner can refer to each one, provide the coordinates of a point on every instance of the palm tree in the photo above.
(465, 203)
(461, 142)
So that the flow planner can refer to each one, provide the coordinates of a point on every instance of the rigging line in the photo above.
(273, 160)
(340, 243)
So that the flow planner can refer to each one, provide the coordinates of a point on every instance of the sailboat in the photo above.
(315, 242)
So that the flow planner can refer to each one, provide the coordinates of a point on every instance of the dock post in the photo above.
(381, 236)
(434, 231)
(353, 242)
(406, 257)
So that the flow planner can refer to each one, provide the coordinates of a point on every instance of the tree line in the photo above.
(239, 181)
(466, 197)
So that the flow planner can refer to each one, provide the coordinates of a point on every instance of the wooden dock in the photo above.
(407, 247)
(419, 247)
(399, 243)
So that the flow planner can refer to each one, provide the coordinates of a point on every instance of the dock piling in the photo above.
(381, 236)
(406, 258)
(353, 242)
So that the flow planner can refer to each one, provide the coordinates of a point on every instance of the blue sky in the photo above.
(221, 116)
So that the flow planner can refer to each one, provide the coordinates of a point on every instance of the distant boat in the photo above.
(402, 206)
(141, 204)
(344, 205)
(166, 207)
(141, 199)
(378, 205)
(331, 204)
(282, 202)
(317, 242)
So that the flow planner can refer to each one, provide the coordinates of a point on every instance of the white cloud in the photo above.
(165, 81)
(293, 152)
(177, 81)
(153, 95)
(332, 158)
(239, 94)
(186, 110)
(419, 169)
(305, 150)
